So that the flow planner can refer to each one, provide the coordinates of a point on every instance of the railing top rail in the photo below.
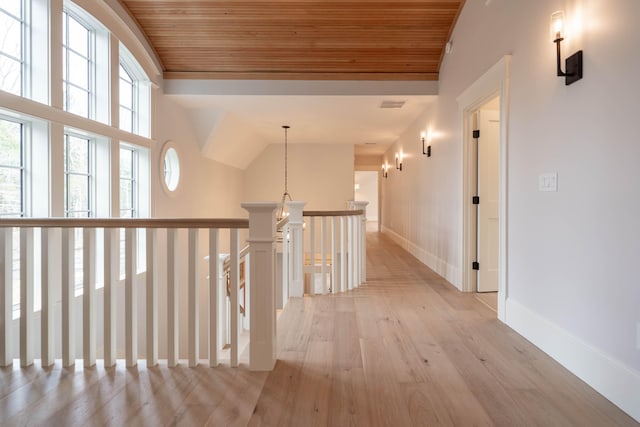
(284, 221)
(126, 222)
(333, 213)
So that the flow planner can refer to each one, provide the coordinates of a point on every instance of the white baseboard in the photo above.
(444, 269)
(612, 379)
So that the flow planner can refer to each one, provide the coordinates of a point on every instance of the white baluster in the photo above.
(131, 298)
(223, 303)
(152, 296)
(284, 291)
(6, 295)
(192, 313)
(49, 279)
(334, 255)
(349, 252)
(312, 255)
(172, 297)
(26, 296)
(111, 262)
(354, 252)
(234, 283)
(323, 250)
(89, 297)
(262, 234)
(296, 254)
(214, 253)
(361, 205)
(343, 254)
(68, 294)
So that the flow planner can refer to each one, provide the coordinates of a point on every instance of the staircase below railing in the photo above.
(336, 250)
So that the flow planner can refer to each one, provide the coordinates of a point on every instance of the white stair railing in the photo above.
(336, 250)
(56, 240)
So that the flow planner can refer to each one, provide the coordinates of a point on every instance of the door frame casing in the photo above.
(495, 82)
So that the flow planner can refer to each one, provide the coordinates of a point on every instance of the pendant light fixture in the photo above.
(282, 210)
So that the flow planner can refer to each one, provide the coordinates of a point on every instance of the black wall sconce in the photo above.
(426, 137)
(573, 64)
(399, 161)
(385, 170)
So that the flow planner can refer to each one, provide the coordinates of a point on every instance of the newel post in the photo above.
(360, 205)
(296, 255)
(262, 248)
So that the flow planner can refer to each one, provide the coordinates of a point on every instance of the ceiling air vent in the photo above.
(392, 104)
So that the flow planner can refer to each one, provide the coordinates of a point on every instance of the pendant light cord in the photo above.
(286, 160)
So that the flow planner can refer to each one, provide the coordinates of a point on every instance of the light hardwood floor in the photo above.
(406, 349)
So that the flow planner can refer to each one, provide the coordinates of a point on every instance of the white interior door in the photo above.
(488, 190)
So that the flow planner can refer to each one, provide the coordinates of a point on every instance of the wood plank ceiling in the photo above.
(298, 39)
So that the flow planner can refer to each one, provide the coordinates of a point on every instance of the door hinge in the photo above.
(475, 200)
(476, 134)
(475, 265)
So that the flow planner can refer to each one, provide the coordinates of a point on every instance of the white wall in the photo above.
(368, 192)
(319, 174)
(571, 254)
(207, 188)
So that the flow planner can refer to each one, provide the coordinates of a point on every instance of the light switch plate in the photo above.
(548, 181)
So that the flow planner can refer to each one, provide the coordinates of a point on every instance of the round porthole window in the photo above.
(171, 167)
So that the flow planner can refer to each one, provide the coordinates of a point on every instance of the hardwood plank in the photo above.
(347, 354)
(274, 406)
(311, 404)
(349, 404)
(382, 387)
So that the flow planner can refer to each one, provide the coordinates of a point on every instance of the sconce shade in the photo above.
(557, 25)
(426, 138)
(399, 161)
(573, 64)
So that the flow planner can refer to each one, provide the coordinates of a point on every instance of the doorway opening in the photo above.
(484, 109)
(366, 189)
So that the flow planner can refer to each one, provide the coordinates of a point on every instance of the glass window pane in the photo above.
(78, 37)
(78, 152)
(10, 152)
(125, 75)
(11, 6)
(126, 94)
(126, 194)
(64, 30)
(10, 191)
(77, 101)
(10, 75)
(126, 99)
(126, 157)
(78, 70)
(126, 119)
(11, 36)
(78, 193)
